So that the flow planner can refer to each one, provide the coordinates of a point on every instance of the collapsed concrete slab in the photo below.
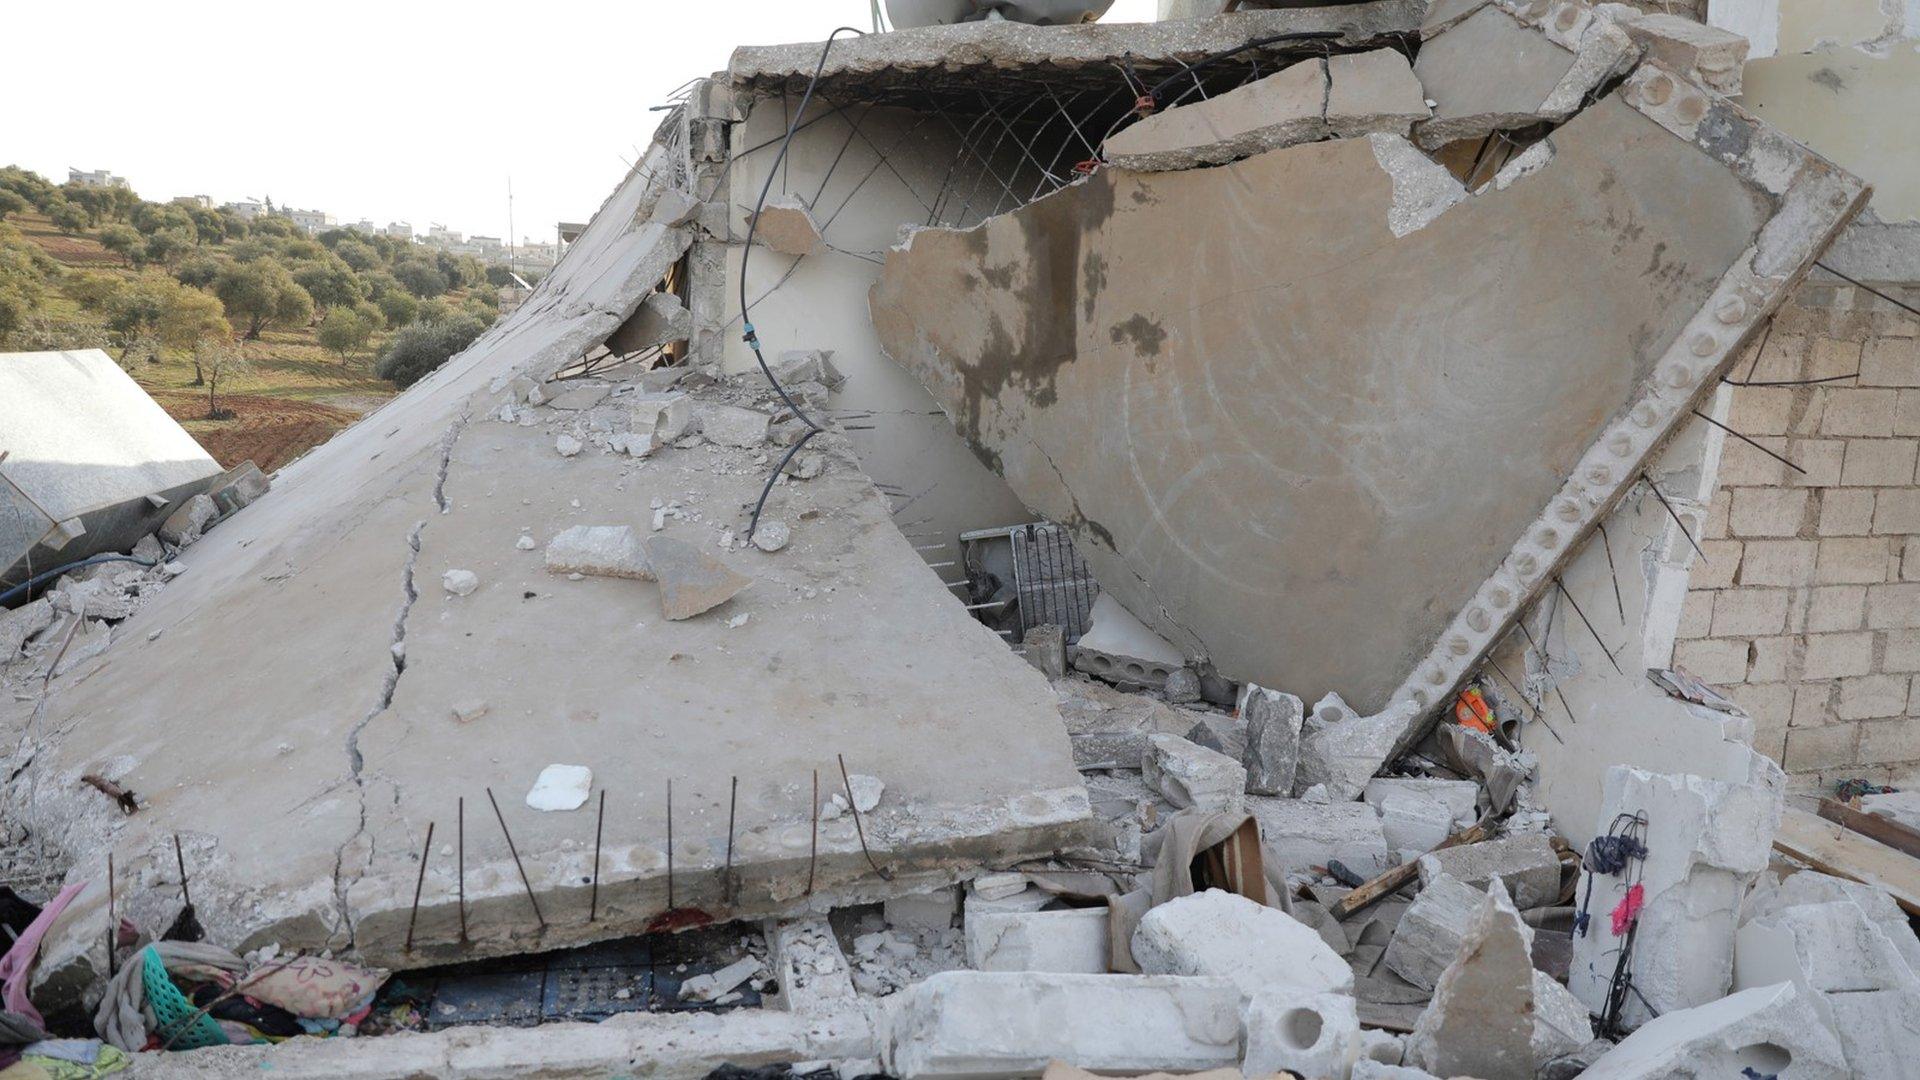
(1223, 934)
(1541, 76)
(292, 714)
(1307, 834)
(1526, 862)
(91, 464)
(1850, 971)
(1137, 407)
(1480, 1022)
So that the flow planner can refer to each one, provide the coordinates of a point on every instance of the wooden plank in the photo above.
(1833, 849)
(1393, 880)
(1886, 830)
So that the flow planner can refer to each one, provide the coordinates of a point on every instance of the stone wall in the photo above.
(1807, 606)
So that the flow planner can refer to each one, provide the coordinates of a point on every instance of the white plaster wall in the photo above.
(1618, 717)
(820, 302)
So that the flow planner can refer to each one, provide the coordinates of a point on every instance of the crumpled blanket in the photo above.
(314, 988)
(1232, 857)
(124, 1019)
(17, 965)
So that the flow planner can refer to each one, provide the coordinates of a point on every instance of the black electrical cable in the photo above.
(748, 334)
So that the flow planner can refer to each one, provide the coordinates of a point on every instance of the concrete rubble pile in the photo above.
(611, 653)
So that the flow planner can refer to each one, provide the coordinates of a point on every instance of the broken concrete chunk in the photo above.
(1430, 931)
(732, 425)
(1272, 753)
(1560, 1022)
(239, 487)
(1072, 940)
(1119, 648)
(1225, 934)
(1851, 972)
(1901, 807)
(660, 320)
(786, 225)
(1187, 774)
(691, 581)
(1045, 647)
(1182, 686)
(1714, 56)
(1345, 754)
(1707, 841)
(1031, 898)
(772, 534)
(21, 623)
(1536, 80)
(561, 787)
(91, 641)
(718, 984)
(1226, 734)
(1279, 110)
(1109, 728)
(580, 398)
(1460, 797)
(599, 550)
(1306, 834)
(185, 524)
(1813, 887)
(866, 796)
(1480, 1022)
(460, 582)
(966, 1025)
(807, 365)
(1761, 1031)
(998, 886)
(1308, 1034)
(674, 208)
(932, 910)
(664, 416)
(1414, 824)
(566, 446)
(1527, 864)
(1373, 92)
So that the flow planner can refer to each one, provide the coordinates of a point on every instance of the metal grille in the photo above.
(1052, 580)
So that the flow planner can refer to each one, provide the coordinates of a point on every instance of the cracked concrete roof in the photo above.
(258, 710)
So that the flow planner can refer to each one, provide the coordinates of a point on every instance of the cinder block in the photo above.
(1767, 703)
(1906, 413)
(1217, 933)
(1300, 1033)
(1832, 357)
(1779, 361)
(1869, 697)
(1744, 465)
(1760, 410)
(1829, 747)
(1893, 607)
(1715, 525)
(1897, 511)
(1696, 614)
(1072, 940)
(1836, 607)
(1833, 656)
(1749, 612)
(1891, 742)
(1716, 661)
(1890, 362)
(1526, 862)
(1852, 561)
(1770, 659)
(1878, 462)
(1813, 704)
(1902, 651)
(1846, 512)
(1859, 412)
(1430, 931)
(1768, 511)
(1772, 562)
(1819, 459)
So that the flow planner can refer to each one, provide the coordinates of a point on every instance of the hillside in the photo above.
(171, 291)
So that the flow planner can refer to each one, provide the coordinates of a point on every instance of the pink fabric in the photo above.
(1629, 909)
(18, 963)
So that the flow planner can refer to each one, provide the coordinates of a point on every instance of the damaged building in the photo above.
(1315, 541)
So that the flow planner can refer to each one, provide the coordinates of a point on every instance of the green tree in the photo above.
(331, 283)
(420, 347)
(399, 308)
(260, 294)
(122, 240)
(199, 270)
(97, 202)
(221, 360)
(422, 278)
(167, 245)
(357, 254)
(345, 331)
(68, 218)
(29, 185)
(12, 202)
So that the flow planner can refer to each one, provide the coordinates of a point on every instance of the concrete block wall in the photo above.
(1807, 607)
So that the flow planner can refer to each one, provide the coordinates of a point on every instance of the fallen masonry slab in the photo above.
(1109, 728)
(1188, 774)
(1308, 834)
(1526, 862)
(1282, 109)
(1073, 940)
(1765, 1030)
(1851, 972)
(1227, 935)
(1540, 76)
(1430, 931)
(1480, 1022)
(1137, 409)
(282, 648)
(1342, 750)
(1310, 1034)
(982, 1025)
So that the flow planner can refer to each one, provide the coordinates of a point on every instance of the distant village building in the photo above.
(365, 227)
(441, 236)
(311, 221)
(204, 202)
(99, 178)
(245, 209)
(400, 230)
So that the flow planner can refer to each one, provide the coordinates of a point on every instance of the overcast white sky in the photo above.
(396, 110)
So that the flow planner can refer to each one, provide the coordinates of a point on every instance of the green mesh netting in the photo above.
(174, 1012)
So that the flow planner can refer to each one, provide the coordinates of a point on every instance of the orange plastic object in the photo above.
(1471, 710)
